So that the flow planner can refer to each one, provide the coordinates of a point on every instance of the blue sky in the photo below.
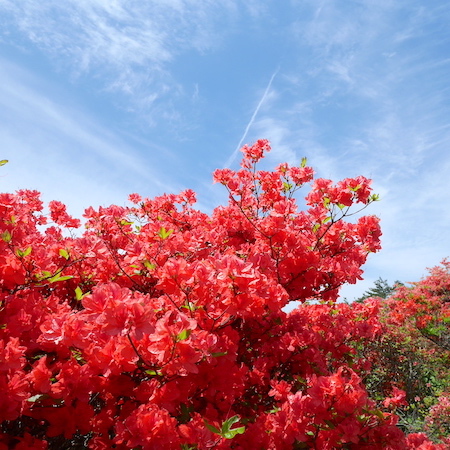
(102, 98)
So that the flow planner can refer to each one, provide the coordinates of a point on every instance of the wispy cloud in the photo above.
(116, 33)
(65, 153)
(127, 46)
(372, 86)
(252, 119)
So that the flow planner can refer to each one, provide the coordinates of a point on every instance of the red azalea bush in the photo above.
(161, 327)
(413, 352)
(425, 306)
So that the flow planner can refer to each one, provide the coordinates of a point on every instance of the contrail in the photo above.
(247, 128)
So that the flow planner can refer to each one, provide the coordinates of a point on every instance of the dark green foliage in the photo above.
(381, 289)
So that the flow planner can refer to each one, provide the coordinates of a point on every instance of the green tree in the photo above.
(381, 289)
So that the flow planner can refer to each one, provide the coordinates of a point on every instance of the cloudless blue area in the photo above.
(100, 99)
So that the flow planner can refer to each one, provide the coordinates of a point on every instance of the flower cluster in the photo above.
(162, 327)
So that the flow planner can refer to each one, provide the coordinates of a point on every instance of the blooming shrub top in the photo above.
(413, 352)
(161, 327)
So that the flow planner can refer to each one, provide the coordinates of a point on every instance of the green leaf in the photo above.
(273, 410)
(316, 227)
(184, 335)
(163, 233)
(6, 236)
(304, 161)
(287, 186)
(232, 433)
(78, 355)
(79, 293)
(217, 354)
(226, 431)
(65, 277)
(327, 219)
(376, 412)
(153, 372)
(64, 253)
(23, 253)
(212, 428)
(3, 162)
(44, 275)
(185, 413)
(434, 331)
(58, 277)
(190, 306)
(148, 265)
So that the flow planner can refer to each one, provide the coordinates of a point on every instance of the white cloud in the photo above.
(118, 34)
(65, 153)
